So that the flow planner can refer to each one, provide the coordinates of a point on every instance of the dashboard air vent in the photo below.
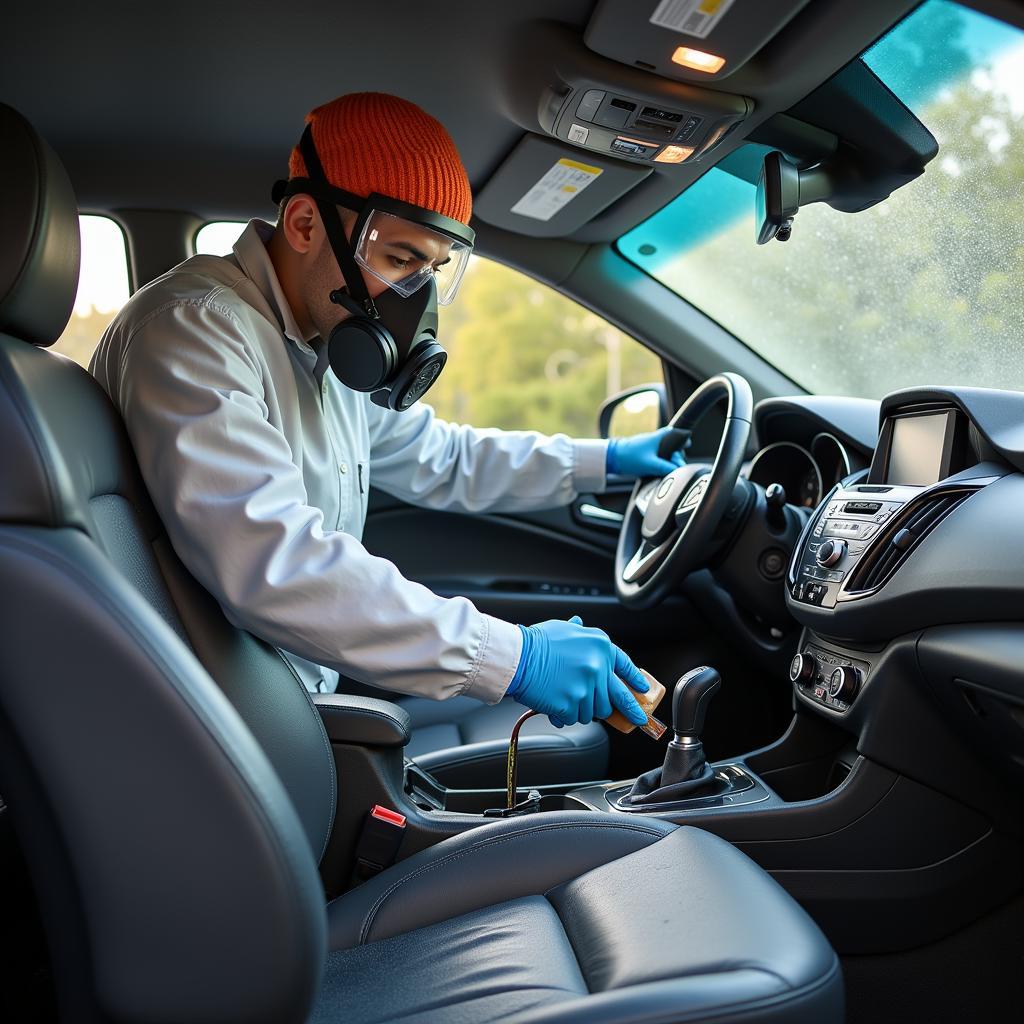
(905, 533)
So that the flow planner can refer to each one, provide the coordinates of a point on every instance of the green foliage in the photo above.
(521, 356)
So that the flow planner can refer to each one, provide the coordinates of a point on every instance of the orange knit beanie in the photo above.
(373, 142)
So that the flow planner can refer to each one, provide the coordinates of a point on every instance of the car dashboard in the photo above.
(911, 552)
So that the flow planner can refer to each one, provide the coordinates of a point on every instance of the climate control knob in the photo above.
(843, 683)
(830, 552)
(802, 668)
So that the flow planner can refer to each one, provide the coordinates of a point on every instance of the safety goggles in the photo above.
(398, 243)
(405, 254)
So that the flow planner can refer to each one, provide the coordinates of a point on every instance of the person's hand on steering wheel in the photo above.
(654, 454)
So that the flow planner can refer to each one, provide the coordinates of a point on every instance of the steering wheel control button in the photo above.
(831, 552)
(666, 486)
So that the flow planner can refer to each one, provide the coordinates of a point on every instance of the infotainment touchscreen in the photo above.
(917, 448)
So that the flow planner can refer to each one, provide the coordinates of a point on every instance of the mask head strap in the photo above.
(327, 198)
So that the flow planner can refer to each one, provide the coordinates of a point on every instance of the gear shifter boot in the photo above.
(685, 772)
(683, 775)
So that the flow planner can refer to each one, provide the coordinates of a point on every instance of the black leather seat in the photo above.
(173, 828)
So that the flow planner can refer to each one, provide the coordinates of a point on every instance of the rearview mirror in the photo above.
(782, 188)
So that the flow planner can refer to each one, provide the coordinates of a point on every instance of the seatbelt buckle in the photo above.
(378, 844)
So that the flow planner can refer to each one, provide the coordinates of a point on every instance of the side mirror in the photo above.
(633, 411)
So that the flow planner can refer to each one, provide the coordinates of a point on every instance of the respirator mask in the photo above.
(388, 345)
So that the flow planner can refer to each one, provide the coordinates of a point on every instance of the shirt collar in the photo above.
(251, 252)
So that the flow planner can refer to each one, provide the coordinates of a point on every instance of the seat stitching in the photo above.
(497, 840)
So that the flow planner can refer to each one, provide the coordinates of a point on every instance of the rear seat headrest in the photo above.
(40, 246)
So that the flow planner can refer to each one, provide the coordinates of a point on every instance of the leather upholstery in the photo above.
(194, 877)
(41, 249)
(752, 922)
(66, 462)
(364, 721)
(504, 860)
(664, 923)
(464, 744)
(470, 969)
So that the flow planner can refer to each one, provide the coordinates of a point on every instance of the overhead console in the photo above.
(631, 123)
(595, 129)
(927, 537)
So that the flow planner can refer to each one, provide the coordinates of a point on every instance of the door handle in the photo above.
(599, 515)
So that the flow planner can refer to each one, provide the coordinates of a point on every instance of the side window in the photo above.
(218, 237)
(102, 287)
(523, 357)
(520, 356)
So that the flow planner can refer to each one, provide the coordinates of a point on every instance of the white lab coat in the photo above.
(259, 462)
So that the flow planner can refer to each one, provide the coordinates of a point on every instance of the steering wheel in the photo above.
(670, 521)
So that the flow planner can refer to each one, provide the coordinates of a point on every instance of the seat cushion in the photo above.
(573, 917)
(464, 744)
(471, 968)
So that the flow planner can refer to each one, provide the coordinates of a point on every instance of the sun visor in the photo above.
(688, 40)
(548, 190)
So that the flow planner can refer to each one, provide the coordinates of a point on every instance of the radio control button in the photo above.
(830, 552)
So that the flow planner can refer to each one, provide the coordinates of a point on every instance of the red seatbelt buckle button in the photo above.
(379, 842)
(388, 815)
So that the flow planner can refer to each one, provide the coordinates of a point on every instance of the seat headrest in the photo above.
(40, 249)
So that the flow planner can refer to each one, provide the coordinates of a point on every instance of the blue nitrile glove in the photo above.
(574, 674)
(653, 454)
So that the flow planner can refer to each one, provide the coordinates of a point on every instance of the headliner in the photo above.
(196, 106)
(212, 95)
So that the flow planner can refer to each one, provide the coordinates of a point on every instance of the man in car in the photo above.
(259, 459)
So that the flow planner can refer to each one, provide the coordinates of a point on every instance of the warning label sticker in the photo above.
(566, 180)
(692, 17)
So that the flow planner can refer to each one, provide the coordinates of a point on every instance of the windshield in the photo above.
(924, 288)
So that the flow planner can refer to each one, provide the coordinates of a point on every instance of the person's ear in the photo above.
(301, 224)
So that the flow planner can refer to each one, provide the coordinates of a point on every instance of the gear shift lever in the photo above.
(685, 769)
(684, 759)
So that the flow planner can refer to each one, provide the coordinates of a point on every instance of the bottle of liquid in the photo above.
(648, 701)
